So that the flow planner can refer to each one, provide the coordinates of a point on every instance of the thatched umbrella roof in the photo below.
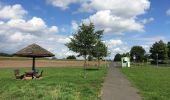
(34, 50)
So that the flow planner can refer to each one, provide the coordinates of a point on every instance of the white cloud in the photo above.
(17, 32)
(64, 40)
(113, 42)
(146, 47)
(85, 8)
(150, 39)
(74, 25)
(114, 16)
(146, 21)
(168, 12)
(63, 4)
(35, 26)
(32, 25)
(63, 30)
(124, 8)
(114, 24)
(117, 16)
(12, 12)
(116, 46)
(120, 50)
(54, 29)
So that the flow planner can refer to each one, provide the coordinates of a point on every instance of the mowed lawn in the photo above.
(57, 84)
(153, 83)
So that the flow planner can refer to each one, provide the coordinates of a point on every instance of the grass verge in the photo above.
(152, 82)
(57, 84)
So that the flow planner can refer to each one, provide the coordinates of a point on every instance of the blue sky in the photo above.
(50, 23)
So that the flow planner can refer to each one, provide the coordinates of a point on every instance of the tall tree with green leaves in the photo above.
(160, 50)
(126, 54)
(138, 52)
(168, 50)
(99, 51)
(84, 40)
(118, 57)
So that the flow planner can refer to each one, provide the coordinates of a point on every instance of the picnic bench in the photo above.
(28, 75)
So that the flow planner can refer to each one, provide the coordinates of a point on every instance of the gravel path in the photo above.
(117, 87)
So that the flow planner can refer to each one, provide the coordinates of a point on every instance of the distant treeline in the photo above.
(6, 55)
(159, 53)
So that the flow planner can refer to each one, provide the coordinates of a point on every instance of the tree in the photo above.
(126, 54)
(54, 58)
(118, 57)
(138, 52)
(6, 55)
(71, 57)
(99, 51)
(159, 50)
(168, 50)
(146, 58)
(90, 58)
(84, 41)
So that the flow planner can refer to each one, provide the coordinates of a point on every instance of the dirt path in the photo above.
(117, 87)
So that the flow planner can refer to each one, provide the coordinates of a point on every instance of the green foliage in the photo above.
(71, 57)
(87, 42)
(146, 57)
(99, 50)
(138, 52)
(83, 41)
(57, 84)
(6, 55)
(168, 49)
(161, 49)
(153, 83)
(90, 58)
(118, 57)
(126, 55)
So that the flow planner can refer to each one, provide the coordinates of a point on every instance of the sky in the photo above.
(51, 23)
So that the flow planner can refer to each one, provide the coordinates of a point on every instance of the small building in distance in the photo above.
(125, 61)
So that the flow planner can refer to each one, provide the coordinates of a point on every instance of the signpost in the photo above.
(125, 62)
(157, 59)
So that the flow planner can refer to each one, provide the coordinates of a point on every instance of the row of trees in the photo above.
(6, 55)
(88, 43)
(159, 51)
(118, 56)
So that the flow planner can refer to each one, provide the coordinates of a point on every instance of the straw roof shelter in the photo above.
(34, 51)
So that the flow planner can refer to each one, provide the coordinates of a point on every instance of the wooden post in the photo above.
(33, 64)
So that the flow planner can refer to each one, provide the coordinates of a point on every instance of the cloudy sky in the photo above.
(50, 23)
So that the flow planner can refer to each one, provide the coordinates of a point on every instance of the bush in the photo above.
(90, 58)
(159, 62)
(71, 57)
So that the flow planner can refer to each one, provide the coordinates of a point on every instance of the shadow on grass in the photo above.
(92, 69)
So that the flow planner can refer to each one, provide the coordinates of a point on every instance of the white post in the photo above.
(157, 59)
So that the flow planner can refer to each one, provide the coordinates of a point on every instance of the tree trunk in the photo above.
(33, 64)
(85, 60)
(98, 63)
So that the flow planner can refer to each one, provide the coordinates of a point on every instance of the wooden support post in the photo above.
(33, 64)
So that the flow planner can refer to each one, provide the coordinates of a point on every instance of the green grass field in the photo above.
(57, 84)
(153, 83)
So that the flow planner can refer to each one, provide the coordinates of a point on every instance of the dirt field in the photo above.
(42, 63)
